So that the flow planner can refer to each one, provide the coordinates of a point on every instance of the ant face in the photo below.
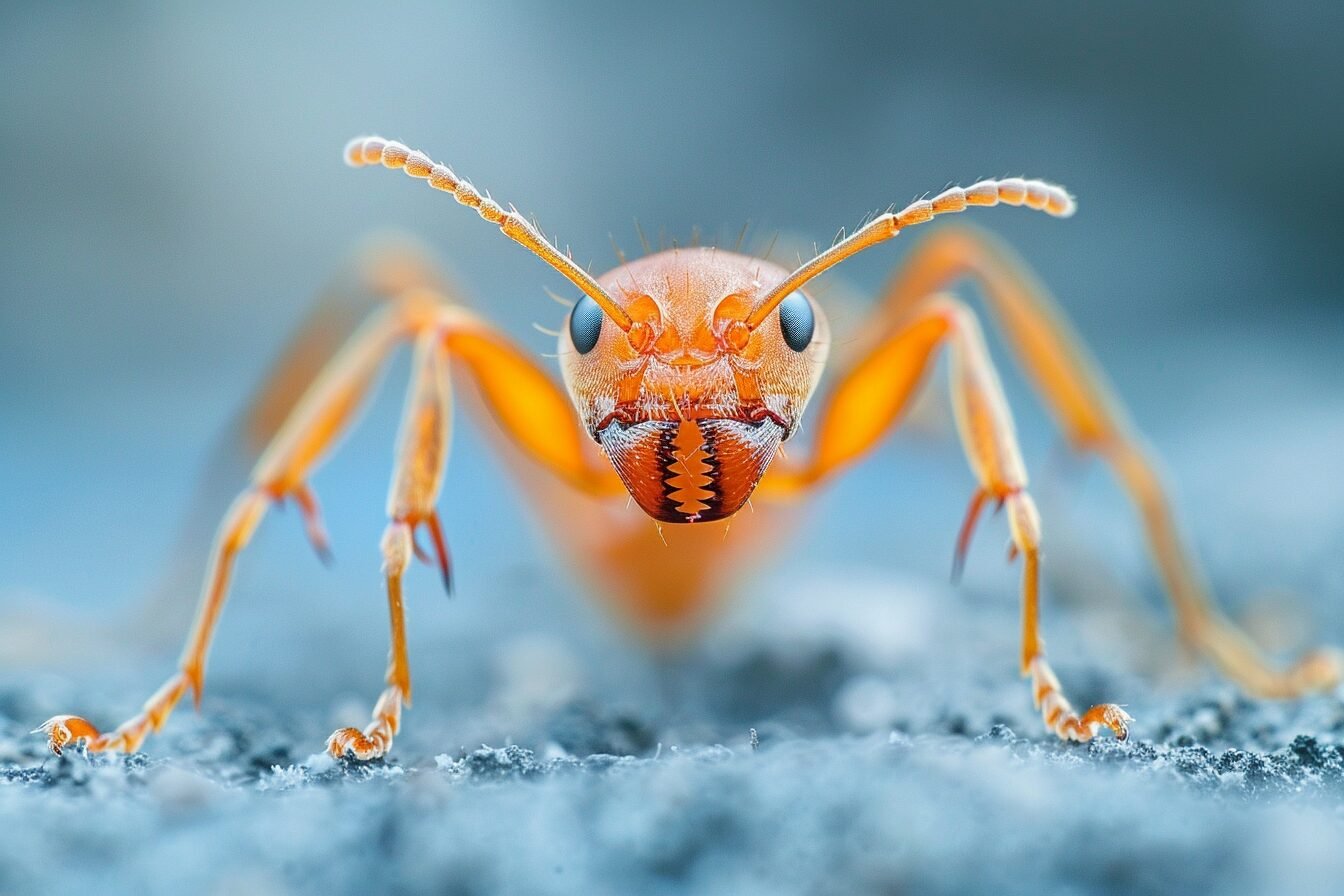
(690, 404)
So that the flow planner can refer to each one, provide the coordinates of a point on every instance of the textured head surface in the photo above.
(690, 404)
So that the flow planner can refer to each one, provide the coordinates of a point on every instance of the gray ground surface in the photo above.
(886, 763)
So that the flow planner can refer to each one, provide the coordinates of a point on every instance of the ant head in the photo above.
(689, 367)
(690, 401)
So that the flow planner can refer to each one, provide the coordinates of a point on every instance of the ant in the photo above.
(689, 369)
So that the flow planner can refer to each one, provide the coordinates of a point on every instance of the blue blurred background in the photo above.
(172, 200)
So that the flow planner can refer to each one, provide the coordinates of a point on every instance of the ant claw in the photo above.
(312, 522)
(441, 552)
(967, 530)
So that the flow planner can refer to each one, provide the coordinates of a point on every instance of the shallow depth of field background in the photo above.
(172, 199)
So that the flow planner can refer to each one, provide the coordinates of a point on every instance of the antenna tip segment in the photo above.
(1050, 198)
(354, 152)
(1034, 194)
(367, 150)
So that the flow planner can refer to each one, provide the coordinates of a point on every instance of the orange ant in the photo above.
(689, 369)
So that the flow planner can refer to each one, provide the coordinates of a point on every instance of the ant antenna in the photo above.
(374, 150)
(1034, 194)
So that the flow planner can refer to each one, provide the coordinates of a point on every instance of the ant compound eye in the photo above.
(797, 321)
(585, 324)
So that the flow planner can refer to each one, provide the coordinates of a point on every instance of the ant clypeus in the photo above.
(689, 368)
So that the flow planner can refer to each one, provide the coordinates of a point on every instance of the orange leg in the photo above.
(422, 452)
(530, 410)
(318, 420)
(529, 407)
(1093, 420)
(381, 272)
(376, 738)
(868, 401)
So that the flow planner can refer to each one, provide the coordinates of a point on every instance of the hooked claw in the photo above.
(312, 522)
(967, 530)
(440, 551)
